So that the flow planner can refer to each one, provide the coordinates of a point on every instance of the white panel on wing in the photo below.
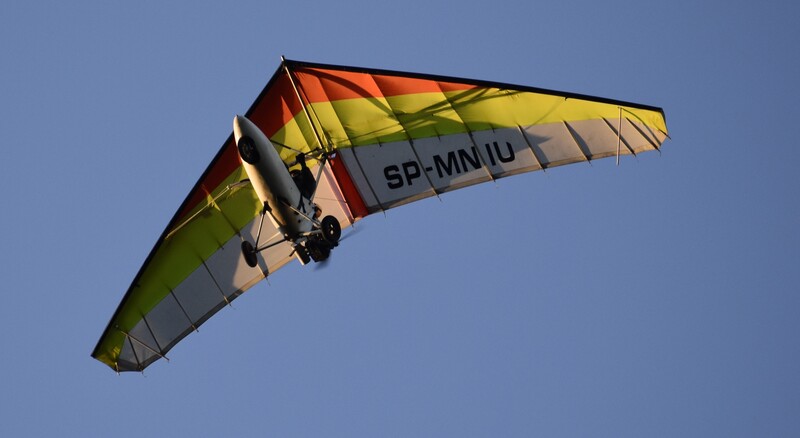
(505, 151)
(329, 198)
(198, 295)
(276, 256)
(553, 144)
(450, 161)
(393, 172)
(597, 138)
(228, 268)
(639, 137)
(167, 322)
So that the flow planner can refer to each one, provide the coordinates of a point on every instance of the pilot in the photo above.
(303, 178)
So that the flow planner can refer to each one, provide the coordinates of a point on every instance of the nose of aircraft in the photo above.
(237, 126)
(243, 132)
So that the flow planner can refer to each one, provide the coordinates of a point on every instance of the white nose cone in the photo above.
(251, 142)
(240, 125)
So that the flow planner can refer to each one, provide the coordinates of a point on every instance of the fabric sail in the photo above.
(393, 138)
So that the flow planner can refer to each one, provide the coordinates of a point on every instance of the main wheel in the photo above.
(249, 254)
(331, 230)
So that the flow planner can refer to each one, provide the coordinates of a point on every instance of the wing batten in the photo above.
(578, 143)
(216, 284)
(125, 363)
(532, 149)
(649, 135)
(425, 170)
(183, 310)
(479, 154)
(360, 182)
(152, 335)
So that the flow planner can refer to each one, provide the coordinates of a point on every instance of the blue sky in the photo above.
(657, 298)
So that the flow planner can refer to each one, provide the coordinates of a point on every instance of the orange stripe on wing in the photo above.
(320, 85)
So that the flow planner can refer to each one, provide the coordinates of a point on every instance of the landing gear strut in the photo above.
(317, 246)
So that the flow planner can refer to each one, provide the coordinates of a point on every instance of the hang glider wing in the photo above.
(391, 138)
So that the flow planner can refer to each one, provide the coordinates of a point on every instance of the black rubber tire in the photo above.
(331, 230)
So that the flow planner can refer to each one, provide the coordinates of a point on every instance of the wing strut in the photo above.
(319, 174)
(303, 104)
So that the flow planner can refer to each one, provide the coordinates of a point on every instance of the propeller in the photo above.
(353, 230)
